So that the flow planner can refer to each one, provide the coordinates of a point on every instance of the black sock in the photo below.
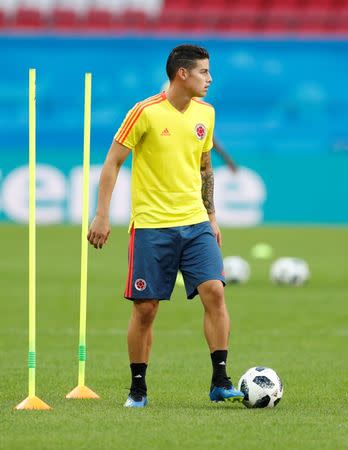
(218, 359)
(138, 377)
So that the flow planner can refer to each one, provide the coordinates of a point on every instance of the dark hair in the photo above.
(184, 56)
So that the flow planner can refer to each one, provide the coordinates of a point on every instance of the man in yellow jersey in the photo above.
(173, 224)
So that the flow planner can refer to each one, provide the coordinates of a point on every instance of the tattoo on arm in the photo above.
(207, 183)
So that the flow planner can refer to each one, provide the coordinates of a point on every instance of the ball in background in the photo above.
(292, 271)
(262, 251)
(236, 269)
(262, 387)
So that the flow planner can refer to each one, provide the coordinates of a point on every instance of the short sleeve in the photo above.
(133, 127)
(208, 143)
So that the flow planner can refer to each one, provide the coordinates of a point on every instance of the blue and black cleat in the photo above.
(225, 391)
(136, 402)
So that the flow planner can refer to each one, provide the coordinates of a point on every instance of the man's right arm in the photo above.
(100, 227)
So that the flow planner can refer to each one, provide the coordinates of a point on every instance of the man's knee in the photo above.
(212, 295)
(145, 311)
(212, 289)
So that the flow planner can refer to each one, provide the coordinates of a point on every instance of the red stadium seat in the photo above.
(311, 28)
(238, 28)
(342, 8)
(282, 14)
(276, 25)
(338, 25)
(319, 4)
(342, 28)
(134, 20)
(200, 27)
(118, 24)
(206, 5)
(98, 19)
(3, 21)
(249, 4)
(235, 23)
(316, 9)
(65, 18)
(172, 21)
(28, 18)
(284, 8)
(210, 20)
(176, 5)
(243, 16)
(187, 21)
(284, 4)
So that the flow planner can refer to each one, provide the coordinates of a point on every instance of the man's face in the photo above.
(199, 78)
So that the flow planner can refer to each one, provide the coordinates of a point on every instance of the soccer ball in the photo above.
(262, 388)
(289, 271)
(236, 269)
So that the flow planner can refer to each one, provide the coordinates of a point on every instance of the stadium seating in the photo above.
(28, 18)
(172, 16)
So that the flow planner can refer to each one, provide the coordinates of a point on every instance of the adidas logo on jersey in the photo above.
(165, 132)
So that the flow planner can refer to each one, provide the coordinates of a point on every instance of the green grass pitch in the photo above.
(300, 332)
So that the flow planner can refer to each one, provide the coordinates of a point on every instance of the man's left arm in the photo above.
(208, 193)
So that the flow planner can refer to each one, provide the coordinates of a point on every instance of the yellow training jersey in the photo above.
(167, 148)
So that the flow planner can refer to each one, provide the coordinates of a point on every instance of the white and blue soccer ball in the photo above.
(288, 270)
(262, 388)
(236, 269)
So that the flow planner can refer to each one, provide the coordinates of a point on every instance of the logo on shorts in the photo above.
(200, 131)
(140, 284)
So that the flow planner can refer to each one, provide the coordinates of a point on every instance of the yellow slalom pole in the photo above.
(32, 232)
(84, 229)
(82, 391)
(32, 402)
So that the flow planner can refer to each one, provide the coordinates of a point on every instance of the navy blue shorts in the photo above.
(156, 254)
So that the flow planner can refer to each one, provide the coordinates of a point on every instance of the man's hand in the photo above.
(100, 227)
(216, 229)
(99, 232)
(232, 166)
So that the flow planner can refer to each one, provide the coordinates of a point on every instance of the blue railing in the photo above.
(281, 110)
